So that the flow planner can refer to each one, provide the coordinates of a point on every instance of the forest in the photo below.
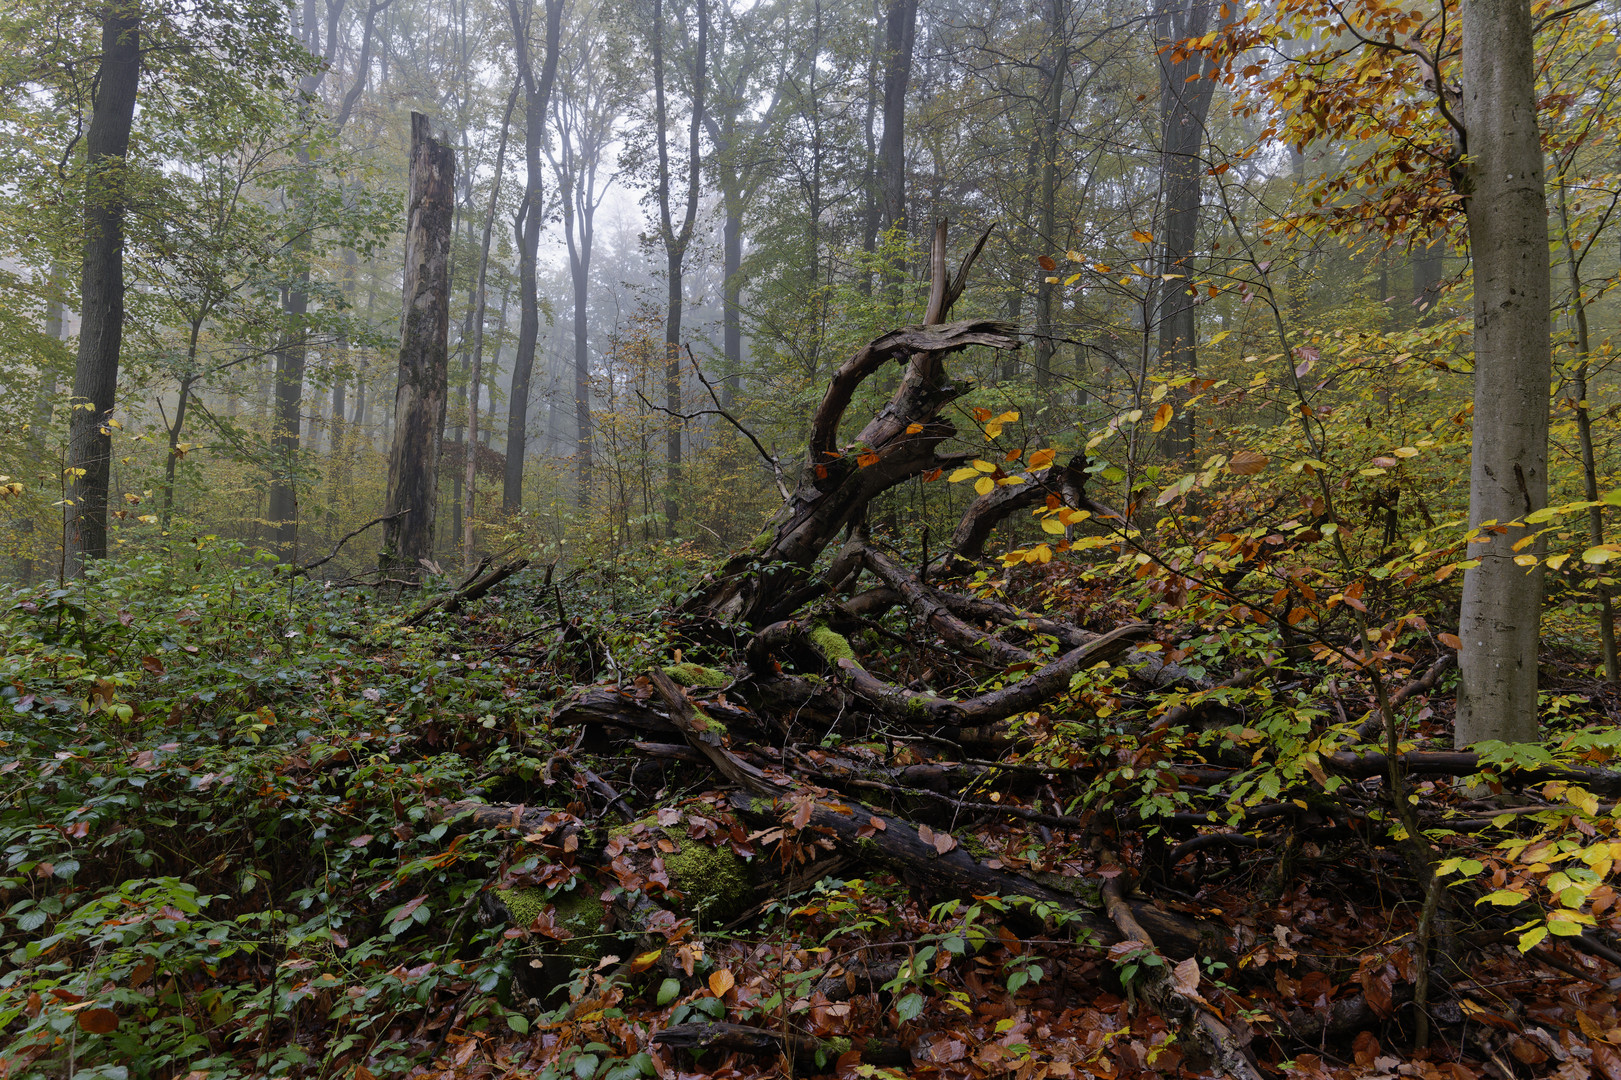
(596, 539)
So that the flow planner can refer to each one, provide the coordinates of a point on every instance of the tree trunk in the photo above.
(1584, 431)
(900, 31)
(475, 377)
(1427, 280)
(676, 241)
(1058, 60)
(537, 96)
(419, 402)
(1508, 475)
(1184, 106)
(101, 306)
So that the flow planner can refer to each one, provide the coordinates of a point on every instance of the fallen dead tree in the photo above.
(791, 627)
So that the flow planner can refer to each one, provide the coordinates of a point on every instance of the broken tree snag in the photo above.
(943, 868)
(1174, 993)
(762, 585)
(419, 399)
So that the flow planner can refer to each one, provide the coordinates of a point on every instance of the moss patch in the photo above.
(715, 884)
(832, 646)
(577, 911)
(689, 674)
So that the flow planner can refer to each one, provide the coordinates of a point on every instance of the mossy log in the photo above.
(957, 873)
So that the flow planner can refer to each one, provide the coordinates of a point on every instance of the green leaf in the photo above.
(518, 1023)
(1531, 937)
(669, 990)
(585, 1066)
(909, 1007)
(1502, 898)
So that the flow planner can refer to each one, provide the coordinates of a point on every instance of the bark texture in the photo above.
(101, 290)
(1508, 476)
(537, 91)
(419, 400)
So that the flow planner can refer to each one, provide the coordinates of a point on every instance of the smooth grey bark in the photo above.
(1427, 268)
(1184, 106)
(101, 287)
(1053, 112)
(1574, 255)
(419, 400)
(900, 33)
(537, 91)
(676, 240)
(1508, 475)
(476, 375)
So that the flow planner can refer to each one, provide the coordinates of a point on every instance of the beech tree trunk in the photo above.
(537, 90)
(900, 32)
(101, 290)
(676, 240)
(419, 401)
(1508, 475)
(1184, 107)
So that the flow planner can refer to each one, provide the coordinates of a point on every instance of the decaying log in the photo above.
(1467, 763)
(806, 1050)
(956, 873)
(1193, 1018)
(701, 732)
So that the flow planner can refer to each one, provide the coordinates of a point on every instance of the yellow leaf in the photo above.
(1601, 554)
(1052, 525)
(1009, 480)
(1159, 392)
(1008, 417)
(1405, 451)
(993, 429)
(1162, 415)
(1554, 562)
(1217, 339)
(721, 981)
(985, 485)
(983, 466)
(1525, 560)
(1142, 236)
(1042, 459)
(967, 472)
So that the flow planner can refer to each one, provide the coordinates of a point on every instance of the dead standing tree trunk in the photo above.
(419, 401)
(838, 481)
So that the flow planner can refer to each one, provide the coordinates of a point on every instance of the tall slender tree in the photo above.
(101, 289)
(537, 91)
(677, 239)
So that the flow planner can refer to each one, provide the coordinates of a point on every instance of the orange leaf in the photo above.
(1297, 615)
(1162, 415)
(913, 429)
(869, 458)
(1247, 463)
(721, 981)
(1142, 237)
(1450, 641)
(98, 1021)
(1047, 263)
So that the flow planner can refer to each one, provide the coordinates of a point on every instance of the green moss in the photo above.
(704, 722)
(763, 541)
(716, 885)
(837, 1046)
(832, 646)
(690, 674)
(578, 911)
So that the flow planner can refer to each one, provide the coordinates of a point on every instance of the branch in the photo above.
(307, 567)
(770, 459)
